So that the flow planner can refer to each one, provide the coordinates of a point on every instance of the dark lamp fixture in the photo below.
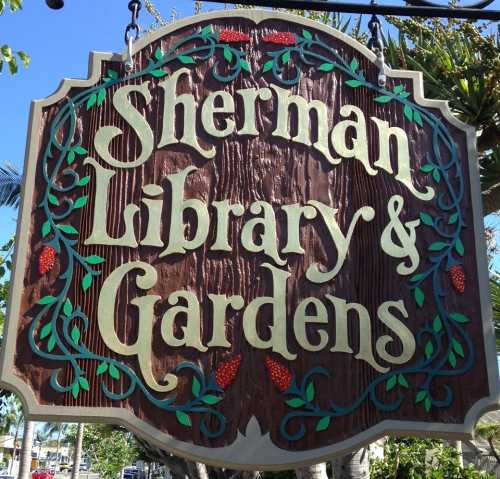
(55, 4)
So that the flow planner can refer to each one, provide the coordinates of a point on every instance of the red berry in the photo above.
(232, 36)
(46, 260)
(227, 371)
(281, 38)
(279, 374)
(457, 277)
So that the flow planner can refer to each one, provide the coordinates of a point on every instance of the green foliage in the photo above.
(7, 55)
(110, 449)
(495, 302)
(412, 458)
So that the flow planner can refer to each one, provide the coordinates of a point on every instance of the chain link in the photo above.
(132, 32)
(376, 45)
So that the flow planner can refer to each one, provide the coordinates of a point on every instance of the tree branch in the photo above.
(491, 199)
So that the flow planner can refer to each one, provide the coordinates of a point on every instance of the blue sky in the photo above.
(59, 43)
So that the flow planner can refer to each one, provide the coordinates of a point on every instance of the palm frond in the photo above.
(10, 185)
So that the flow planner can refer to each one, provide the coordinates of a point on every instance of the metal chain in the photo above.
(132, 32)
(376, 45)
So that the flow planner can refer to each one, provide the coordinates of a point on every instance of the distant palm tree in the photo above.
(41, 437)
(491, 433)
(58, 429)
(12, 419)
(10, 186)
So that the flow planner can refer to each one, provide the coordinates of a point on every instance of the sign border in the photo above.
(253, 443)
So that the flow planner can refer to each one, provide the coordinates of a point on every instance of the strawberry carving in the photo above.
(227, 371)
(232, 36)
(46, 260)
(279, 374)
(281, 38)
(457, 277)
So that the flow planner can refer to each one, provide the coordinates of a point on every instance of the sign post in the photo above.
(249, 252)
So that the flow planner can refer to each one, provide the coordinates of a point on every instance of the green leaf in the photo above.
(436, 175)
(398, 88)
(268, 66)
(206, 31)
(452, 359)
(437, 324)
(185, 60)
(51, 344)
(228, 55)
(383, 99)
(353, 83)
(75, 390)
(46, 330)
(429, 349)
(46, 229)
(53, 200)
(159, 73)
(183, 418)
(310, 392)
(102, 368)
(419, 297)
(80, 150)
(307, 35)
(417, 277)
(323, 423)
(457, 347)
(196, 387)
(418, 118)
(459, 247)
(245, 66)
(101, 97)
(437, 246)
(71, 157)
(68, 229)
(84, 383)
(459, 318)
(80, 202)
(285, 58)
(75, 334)
(211, 399)
(112, 74)
(326, 67)
(114, 372)
(421, 396)
(427, 168)
(158, 54)
(94, 259)
(87, 281)
(354, 64)
(453, 219)
(84, 181)
(68, 307)
(391, 383)
(91, 101)
(426, 219)
(427, 404)
(408, 112)
(295, 402)
(47, 300)
(402, 381)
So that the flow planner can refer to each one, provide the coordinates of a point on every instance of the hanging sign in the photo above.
(248, 252)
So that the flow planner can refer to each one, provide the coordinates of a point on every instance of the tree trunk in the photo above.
(318, 471)
(25, 461)
(77, 457)
(352, 466)
(56, 467)
(14, 447)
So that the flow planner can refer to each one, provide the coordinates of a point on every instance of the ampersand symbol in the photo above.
(405, 234)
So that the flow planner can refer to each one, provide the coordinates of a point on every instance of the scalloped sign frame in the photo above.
(248, 252)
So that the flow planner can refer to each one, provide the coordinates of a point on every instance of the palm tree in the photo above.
(77, 457)
(25, 461)
(12, 419)
(41, 436)
(10, 186)
(491, 433)
(58, 429)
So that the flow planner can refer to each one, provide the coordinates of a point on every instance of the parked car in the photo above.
(65, 467)
(84, 467)
(130, 473)
(43, 473)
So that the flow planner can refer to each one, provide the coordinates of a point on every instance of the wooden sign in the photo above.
(250, 253)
